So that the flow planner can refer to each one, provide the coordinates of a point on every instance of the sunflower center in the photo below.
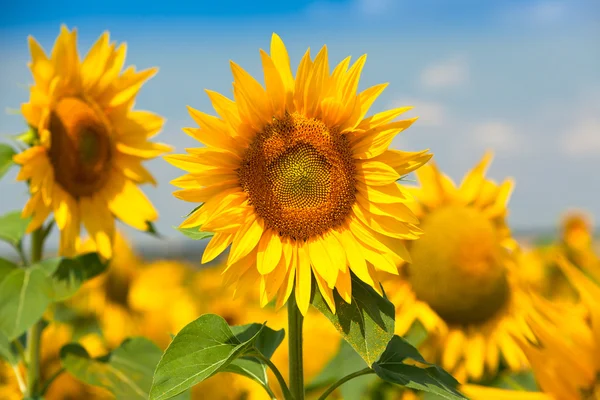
(80, 147)
(299, 176)
(457, 266)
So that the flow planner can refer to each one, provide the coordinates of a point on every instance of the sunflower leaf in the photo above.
(367, 323)
(126, 372)
(68, 274)
(12, 227)
(6, 158)
(195, 233)
(7, 352)
(208, 346)
(433, 379)
(151, 230)
(24, 296)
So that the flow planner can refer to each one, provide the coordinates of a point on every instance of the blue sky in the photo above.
(519, 77)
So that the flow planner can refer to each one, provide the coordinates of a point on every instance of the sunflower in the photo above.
(86, 163)
(564, 354)
(461, 283)
(137, 298)
(296, 179)
(319, 347)
(577, 241)
(65, 387)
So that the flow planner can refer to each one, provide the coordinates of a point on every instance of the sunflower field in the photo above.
(327, 262)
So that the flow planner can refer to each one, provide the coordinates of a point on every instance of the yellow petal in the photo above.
(216, 246)
(303, 280)
(128, 203)
(377, 140)
(344, 286)
(269, 252)
(281, 60)
(246, 238)
(99, 223)
(473, 181)
(274, 84)
(325, 291)
(354, 256)
(376, 173)
(321, 261)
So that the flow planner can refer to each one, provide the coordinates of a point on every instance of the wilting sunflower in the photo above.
(86, 163)
(564, 356)
(460, 284)
(296, 179)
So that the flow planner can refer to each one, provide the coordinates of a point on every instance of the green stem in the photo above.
(20, 350)
(50, 380)
(295, 320)
(284, 388)
(21, 252)
(345, 379)
(34, 334)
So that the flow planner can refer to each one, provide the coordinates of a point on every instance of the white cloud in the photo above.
(447, 73)
(498, 135)
(583, 139)
(430, 113)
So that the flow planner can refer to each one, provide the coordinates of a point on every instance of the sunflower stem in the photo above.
(345, 379)
(34, 334)
(295, 320)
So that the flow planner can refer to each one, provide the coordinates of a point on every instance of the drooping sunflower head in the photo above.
(461, 284)
(86, 161)
(298, 181)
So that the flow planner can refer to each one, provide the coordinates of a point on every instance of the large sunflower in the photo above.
(298, 181)
(461, 283)
(87, 160)
(565, 355)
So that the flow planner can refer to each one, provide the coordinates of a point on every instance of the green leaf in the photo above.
(68, 274)
(266, 343)
(81, 324)
(12, 227)
(24, 296)
(7, 352)
(6, 158)
(522, 381)
(206, 347)
(433, 379)
(27, 137)
(367, 323)
(126, 372)
(6, 267)
(151, 229)
(195, 233)
(417, 334)
(344, 363)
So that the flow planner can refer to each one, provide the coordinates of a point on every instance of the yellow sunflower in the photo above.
(319, 347)
(137, 298)
(461, 283)
(298, 181)
(86, 164)
(565, 353)
(577, 241)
